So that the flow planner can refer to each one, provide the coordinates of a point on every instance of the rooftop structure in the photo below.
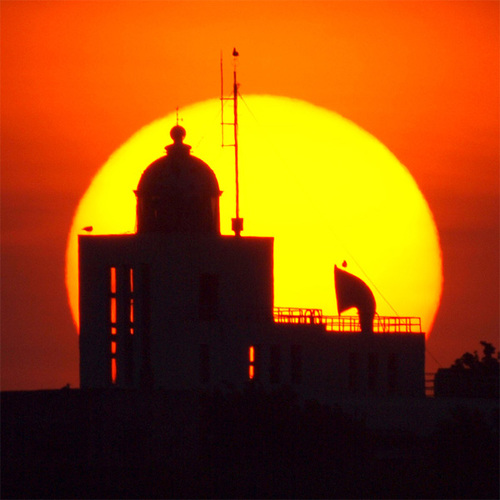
(178, 193)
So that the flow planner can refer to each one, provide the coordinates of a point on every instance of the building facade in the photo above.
(181, 307)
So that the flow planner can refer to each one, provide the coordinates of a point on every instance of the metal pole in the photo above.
(235, 90)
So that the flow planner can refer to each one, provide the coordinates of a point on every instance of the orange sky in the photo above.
(79, 78)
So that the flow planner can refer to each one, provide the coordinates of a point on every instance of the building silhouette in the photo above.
(195, 385)
(179, 306)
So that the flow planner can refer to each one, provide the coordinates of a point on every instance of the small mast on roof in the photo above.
(237, 222)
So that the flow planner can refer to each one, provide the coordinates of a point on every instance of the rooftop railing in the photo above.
(381, 324)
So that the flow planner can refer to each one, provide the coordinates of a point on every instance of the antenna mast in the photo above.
(237, 222)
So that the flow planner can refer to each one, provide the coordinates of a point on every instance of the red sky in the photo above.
(79, 78)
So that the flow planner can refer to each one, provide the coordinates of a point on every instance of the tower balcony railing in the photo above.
(341, 324)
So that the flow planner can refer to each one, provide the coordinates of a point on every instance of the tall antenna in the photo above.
(236, 222)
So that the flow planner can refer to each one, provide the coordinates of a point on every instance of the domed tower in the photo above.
(178, 193)
(150, 302)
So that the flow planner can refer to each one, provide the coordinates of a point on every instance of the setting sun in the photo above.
(325, 189)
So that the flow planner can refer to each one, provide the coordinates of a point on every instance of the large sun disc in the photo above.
(325, 189)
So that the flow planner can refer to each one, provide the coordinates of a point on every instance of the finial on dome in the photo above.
(178, 134)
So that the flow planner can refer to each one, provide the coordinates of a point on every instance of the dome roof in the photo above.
(178, 192)
(178, 171)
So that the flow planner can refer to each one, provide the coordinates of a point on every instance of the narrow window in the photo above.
(392, 373)
(296, 364)
(204, 363)
(112, 322)
(113, 370)
(113, 361)
(131, 280)
(113, 354)
(112, 279)
(275, 364)
(353, 371)
(131, 307)
(112, 310)
(372, 371)
(253, 359)
(127, 275)
(208, 297)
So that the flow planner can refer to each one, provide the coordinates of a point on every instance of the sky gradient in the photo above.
(79, 78)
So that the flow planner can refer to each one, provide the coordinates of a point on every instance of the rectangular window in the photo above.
(131, 280)
(113, 370)
(296, 364)
(392, 373)
(112, 310)
(353, 371)
(131, 311)
(253, 361)
(112, 321)
(372, 371)
(113, 361)
(204, 363)
(112, 280)
(275, 364)
(208, 297)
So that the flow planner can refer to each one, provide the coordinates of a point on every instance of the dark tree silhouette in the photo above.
(470, 376)
(472, 361)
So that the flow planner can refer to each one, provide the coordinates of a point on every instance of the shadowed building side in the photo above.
(152, 304)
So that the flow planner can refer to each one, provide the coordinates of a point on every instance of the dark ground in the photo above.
(250, 444)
